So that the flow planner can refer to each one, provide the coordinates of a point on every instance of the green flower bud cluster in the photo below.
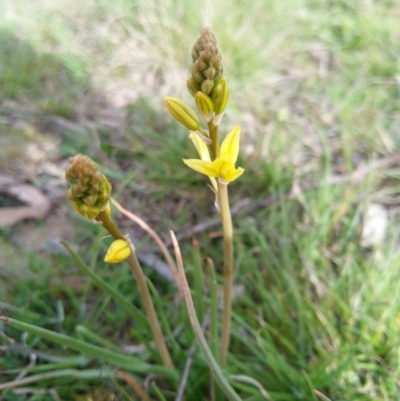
(207, 67)
(89, 190)
(206, 85)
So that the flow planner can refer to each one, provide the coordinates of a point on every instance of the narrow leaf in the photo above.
(212, 363)
(124, 362)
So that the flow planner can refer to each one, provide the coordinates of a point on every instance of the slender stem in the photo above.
(137, 271)
(109, 225)
(228, 268)
(149, 308)
(215, 391)
(213, 129)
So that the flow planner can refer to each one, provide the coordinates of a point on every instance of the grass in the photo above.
(314, 86)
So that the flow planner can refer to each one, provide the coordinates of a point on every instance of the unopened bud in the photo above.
(183, 113)
(207, 67)
(205, 106)
(89, 190)
(118, 251)
(192, 86)
(216, 94)
(207, 86)
(219, 107)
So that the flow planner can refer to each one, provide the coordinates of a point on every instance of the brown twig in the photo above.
(141, 223)
(136, 387)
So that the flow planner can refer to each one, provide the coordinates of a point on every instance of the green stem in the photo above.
(150, 311)
(215, 392)
(213, 129)
(137, 271)
(109, 225)
(228, 268)
(128, 363)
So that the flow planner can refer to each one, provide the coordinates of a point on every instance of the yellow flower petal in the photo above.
(233, 174)
(201, 147)
(118, 251)
(230, 145)
(203, 167)
(221, 167)
(226, 169)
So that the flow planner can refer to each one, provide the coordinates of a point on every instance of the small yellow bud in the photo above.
(118, 251)
(219, 107)
(216, 94)
(205, 106)
(183, 113)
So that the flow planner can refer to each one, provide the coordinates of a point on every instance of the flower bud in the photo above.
(192, 86)
(205, 106)
(219, 107)
(89, 190)
(183, 113)
(207, 67)
(118, 251)
(216, 94)
(207, 86)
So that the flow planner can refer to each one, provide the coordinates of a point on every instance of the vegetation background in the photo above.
(315, 87)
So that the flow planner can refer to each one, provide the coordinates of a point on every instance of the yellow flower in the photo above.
(118, 251)
(204, 153)
(224, 165)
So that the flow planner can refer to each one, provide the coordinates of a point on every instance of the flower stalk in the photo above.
(140, 278)
(213, 130)
(227, 228)
(89, 194)
(210, 90)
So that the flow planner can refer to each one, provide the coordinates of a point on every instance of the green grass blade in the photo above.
(120, 299)
(128, 363)
(89, 374)
(164, 320)
(229, 392)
